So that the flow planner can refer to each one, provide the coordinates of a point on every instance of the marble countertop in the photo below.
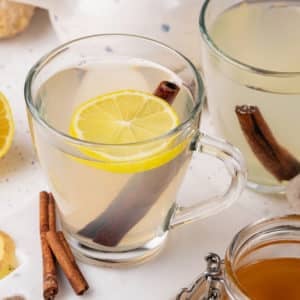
(21, 180)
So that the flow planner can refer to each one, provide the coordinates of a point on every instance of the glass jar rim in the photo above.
(246, 235)
(219, 279)
(229, 59)
(43, 61)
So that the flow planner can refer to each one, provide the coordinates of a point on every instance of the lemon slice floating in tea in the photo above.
(6, 126)
(125, 117)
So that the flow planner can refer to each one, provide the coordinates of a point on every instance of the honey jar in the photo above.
(262, 262)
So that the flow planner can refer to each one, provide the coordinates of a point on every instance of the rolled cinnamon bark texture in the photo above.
(67, 262)
(168, 91)
(273, 156)
(138, 196)
(50, 283)
(56, 249)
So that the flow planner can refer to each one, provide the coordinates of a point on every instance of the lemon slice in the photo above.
(122, 121)
(6, 126)
(8, 260)
(120, 118)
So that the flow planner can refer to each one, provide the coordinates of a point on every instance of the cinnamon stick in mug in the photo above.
(139, 194)
(131, 204)
(273, 156)
(167, 90)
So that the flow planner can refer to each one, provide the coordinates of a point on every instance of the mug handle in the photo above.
(235, 165)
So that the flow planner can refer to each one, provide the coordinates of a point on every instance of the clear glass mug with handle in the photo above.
(256, 105)
(119, 211)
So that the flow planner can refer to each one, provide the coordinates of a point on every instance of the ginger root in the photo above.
(14, 18)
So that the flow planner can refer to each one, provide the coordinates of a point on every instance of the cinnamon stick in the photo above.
(50, 283)
(273, 156)
(44, 214)
(51, 212)
(66, 246)
(69, 266)
(167, 90)
(131, 204)
(138, 196)
(69, 252)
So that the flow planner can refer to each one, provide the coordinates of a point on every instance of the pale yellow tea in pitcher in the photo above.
(252, 60)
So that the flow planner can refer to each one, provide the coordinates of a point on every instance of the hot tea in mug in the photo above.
(115, 119)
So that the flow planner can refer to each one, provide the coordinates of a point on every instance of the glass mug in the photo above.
(256, 77)
(120, 212)
(274, 244)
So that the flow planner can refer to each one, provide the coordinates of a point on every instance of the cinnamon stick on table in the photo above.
(51, 213)
(67, 262)
(66, 246)
(69, 252)
(54, 244)
(273, 156)
(50, 283)
(138, 196)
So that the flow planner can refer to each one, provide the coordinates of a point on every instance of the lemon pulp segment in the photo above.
(6, 126)
(126, 117)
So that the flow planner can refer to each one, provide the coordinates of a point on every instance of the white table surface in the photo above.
(21, 180)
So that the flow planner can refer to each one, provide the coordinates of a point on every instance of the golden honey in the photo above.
(271, 279)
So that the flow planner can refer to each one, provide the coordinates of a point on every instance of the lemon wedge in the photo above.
(126, 117)
(8, 261)
(6, 126)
